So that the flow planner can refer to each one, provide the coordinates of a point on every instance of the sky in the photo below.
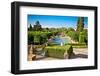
(52, 21)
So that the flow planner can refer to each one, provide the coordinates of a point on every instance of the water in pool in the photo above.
(60, 40)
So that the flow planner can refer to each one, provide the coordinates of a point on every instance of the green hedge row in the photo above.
(78, 45)
(81, 37)
(52, 44)
(59, 51)
(38, 37)
(74, 35)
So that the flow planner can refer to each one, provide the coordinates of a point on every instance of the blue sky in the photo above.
(55, 21)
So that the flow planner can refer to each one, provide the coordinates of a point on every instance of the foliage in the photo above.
(80, 34)
(74, 35)
(83, 37)
(30, 38)
(37, 26)
(58, 51)
(30, 28)
(80, 24)
(38, 37)
(52, 44)
(85, 32)
(78, 45)
(85, 46)
(70, 29)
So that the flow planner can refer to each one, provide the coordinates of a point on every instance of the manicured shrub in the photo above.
(70, 50)
(38, 37)
(78, 45)
(81, 38)
(59, 51)
(85, 32)
(49, 34)
(52, 44)
(43, 38)
(74, 35)
(30, 38)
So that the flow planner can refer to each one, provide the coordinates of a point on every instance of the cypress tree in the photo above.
(80, 24)
(30, 28)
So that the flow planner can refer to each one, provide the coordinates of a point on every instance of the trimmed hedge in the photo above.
(74, 35)
(38, 37)
(78, 45)
(52, 44)
(59, 51)
(81, 37)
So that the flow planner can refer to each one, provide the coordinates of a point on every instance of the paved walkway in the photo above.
(78, 53)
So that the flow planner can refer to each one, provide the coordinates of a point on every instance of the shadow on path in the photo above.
(78, 56)
(40, 58)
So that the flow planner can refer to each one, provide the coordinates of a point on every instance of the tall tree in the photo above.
(30, 28)
(37, 26)
(80, 24)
